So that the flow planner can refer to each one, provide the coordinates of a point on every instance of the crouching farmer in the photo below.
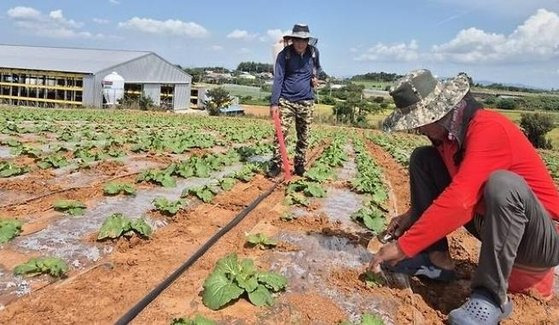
(480, 172)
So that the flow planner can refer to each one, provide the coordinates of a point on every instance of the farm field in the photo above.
(378, 85)
(120, 199)
(242, 91)
(320, 110)
(324, 112)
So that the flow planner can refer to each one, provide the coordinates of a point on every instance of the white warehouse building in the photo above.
(72, 77)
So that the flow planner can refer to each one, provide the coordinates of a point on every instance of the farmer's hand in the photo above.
(389, 253)
(314, 82)
(398, 225)
(273, 109)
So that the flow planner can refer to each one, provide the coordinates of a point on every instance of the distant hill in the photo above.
(486, 83)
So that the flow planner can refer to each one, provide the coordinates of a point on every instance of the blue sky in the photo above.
(512, 41)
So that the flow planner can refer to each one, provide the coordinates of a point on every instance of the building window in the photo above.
(167, 93)
(40, 88)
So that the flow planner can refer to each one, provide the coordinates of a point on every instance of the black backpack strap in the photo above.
(287, 50)
(314, 60)
(313, 55)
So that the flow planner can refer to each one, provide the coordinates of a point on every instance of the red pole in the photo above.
(283, 149)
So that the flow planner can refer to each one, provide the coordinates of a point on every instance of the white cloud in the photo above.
(241, 34)
(23, 13)
(401, 52)
(535, 39)
(53, 25)
(244, 50)
(114, 2)
(167, 27)
(101, 21)
(276, 34)
(514, 8)
(216, 47)
(59, 18)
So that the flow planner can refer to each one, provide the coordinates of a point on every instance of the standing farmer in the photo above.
(480, 172)
(295, 76)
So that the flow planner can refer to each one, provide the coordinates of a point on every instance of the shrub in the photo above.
(217, 98)
(535, 126)
(328, 100)
(145, 103)
(507, 103)
(490, 101)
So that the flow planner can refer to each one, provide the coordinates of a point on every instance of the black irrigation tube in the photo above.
(140, 305)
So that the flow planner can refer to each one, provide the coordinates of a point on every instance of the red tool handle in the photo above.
(283, 149)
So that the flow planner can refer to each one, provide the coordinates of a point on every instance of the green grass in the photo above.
(553, 136)
(515, 115)
(243, 91)
(376, 119)
(509, 92)
(323, 110)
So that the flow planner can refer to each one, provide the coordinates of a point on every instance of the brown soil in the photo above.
(109, 168)
(10, 259)
(256, 110)
(316, 309)
(164, 159)
(529, 310)
(44, 200)
(408, 307)
(396, 175)
(311, 223)
(35, 183)
(45, 203)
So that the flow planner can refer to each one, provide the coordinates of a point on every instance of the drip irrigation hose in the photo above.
(140, 305)
(69, 189)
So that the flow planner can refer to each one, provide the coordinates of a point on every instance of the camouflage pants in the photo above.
(301, 112)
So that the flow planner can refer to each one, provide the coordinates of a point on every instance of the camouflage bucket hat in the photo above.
(421, 99)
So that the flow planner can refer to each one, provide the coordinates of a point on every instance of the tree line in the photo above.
(255, 67)
(498, 86)
(377, 76)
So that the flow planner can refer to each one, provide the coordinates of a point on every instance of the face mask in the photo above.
(452, 121)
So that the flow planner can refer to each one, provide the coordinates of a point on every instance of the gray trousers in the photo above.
(516, 228)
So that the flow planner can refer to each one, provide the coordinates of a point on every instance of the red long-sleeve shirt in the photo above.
(492, 142)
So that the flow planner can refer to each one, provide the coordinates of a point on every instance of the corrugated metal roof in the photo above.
(63, 59)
